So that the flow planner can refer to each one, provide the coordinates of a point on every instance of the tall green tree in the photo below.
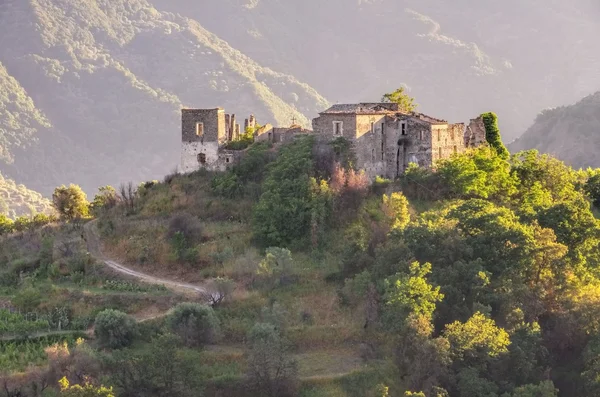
(70, 202)
(399, 96)
(492, 134)
(410, 294)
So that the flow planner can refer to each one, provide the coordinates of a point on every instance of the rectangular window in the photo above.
(421, 135)
(455, 149)
(200, 129)
(403, 129)
(372, 127)
(452, 134)
(202, 158)
(337, 127)
(440, 153)
(439, 135)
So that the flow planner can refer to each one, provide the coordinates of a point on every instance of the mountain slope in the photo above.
(17, 200)
(571, 133)
(110, 77)
(458, 58)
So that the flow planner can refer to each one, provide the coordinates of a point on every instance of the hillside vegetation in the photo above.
(478, 278)
(16, 200)
(571, 133)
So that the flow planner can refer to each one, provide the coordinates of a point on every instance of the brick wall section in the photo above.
(214, 125)
(475, 133)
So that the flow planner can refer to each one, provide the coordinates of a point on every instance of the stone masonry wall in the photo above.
(201, 151)
(475, 133)
(370, 144)
(447, 140)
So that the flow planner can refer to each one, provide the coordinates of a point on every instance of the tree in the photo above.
(592, 188)
(6, 225)
(70, 202)
(277, 266)
(283, 213)
(492, 134)
(114, 329)
(471, 384)
(407, 104)
(220, 289)
(411, 293)
(544, 389)
(271, 370)
(106, 198)
(194, 323)
(87, 390)
(396, 208)
(478, 173)
(478, 338)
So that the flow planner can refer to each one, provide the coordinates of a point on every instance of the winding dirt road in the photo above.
(94, 247)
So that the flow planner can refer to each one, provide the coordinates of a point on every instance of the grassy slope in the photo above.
(326, 335)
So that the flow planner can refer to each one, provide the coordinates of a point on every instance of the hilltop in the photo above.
(90, 90)
(477, 278)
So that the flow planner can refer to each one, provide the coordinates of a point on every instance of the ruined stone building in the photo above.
(385, 140)
(205, 134)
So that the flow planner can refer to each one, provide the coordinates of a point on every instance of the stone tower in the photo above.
(203, 131)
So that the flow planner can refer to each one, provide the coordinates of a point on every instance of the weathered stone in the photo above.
(385, 141)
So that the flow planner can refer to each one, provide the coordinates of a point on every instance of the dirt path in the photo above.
(95, 248)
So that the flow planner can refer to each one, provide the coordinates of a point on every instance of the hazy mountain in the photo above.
(90, 90)
(17, 200)
(459, 58)
(571, 133)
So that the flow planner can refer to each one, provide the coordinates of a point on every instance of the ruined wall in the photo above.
(409, 144)
(323, 126)
(201, 151)
(264, 133)
(475, 133)
(448, 139)
(370, 145)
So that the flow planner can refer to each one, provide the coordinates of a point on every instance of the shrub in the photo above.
(187, 225)
(277, 266)
(271, 370)
(220, 289)
(27, 300)
(114, 329)
(195, 324)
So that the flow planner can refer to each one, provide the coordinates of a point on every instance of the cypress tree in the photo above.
(492, 134)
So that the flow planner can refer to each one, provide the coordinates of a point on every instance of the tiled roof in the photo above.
(378, 108)
(362, 108)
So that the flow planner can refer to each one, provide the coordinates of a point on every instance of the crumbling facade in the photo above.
(385, 140)
(206, 133)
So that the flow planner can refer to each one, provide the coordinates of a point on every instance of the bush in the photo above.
(195, 324)
(114, 329)
(27, 300)
(271, 370)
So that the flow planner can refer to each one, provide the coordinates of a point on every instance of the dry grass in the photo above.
(328, 363)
